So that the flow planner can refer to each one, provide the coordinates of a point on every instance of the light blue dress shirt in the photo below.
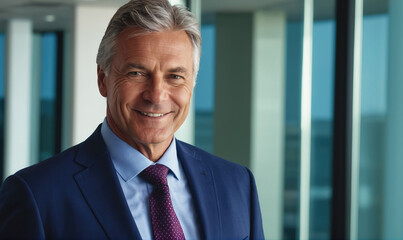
(129, 163)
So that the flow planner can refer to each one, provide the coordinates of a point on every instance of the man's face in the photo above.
(149, 86)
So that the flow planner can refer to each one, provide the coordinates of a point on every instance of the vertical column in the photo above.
(36, 97)
(249, 113)
(18, 95)
(232, 117)
(186, 132)
(87, 105)
(393, 192)
(306, 122)
(268, 112)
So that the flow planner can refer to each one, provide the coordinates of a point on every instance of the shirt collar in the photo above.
(129, 162)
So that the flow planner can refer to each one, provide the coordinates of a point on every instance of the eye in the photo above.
(135, 73)
(176, 77)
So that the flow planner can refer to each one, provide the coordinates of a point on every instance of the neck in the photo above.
(152, 151)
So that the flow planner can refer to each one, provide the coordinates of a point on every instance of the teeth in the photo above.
(152, 114)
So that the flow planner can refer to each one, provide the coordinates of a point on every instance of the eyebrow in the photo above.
(141, 67)
(178, 70)
(134, 65)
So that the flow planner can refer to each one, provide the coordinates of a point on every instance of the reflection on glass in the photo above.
(322, 105)
(380, 209)
(322, 128)
(204, 91)
(321, 136)
(48, 95)
(292, 129)
(373, 191)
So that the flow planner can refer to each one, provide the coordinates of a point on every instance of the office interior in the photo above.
(306, 93)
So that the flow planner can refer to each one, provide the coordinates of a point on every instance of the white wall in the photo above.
(18, 95)
(88, 106)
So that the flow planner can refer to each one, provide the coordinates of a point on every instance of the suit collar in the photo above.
(201, 182)
(101, 189)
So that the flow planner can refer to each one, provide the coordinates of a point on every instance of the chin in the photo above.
(155, 138)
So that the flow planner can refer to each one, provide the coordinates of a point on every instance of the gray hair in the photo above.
(149, 16)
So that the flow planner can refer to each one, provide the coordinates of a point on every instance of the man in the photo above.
(110, 186)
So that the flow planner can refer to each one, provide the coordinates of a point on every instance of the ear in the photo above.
(101, 81)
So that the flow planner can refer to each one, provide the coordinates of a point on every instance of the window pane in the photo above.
(292, 129)
(204, 92)
(380, 212)
(322, 127)
(373, 113)
(241, 82)
(48, 99)
(321, 123)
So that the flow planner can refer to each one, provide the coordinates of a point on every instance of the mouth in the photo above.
(153, 115)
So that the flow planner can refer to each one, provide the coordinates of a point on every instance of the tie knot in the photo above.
(155, 174)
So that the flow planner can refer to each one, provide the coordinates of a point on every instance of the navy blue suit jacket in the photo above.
(77, 195)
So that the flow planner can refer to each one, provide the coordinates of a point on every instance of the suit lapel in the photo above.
(202, 186)
(101, 189)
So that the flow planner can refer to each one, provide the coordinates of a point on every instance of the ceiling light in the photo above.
(50, 18)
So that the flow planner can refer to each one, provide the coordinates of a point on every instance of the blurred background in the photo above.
(305, 93)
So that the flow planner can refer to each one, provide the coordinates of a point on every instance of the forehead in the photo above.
(134, 41)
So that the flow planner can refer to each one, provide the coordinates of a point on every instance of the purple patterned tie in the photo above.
(163, 218)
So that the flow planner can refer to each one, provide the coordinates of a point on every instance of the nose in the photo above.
(155, 91)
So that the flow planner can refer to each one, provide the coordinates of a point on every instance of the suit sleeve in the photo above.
(256, 216)
(19, 215)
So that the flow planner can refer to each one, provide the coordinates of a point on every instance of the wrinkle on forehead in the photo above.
(138, 32)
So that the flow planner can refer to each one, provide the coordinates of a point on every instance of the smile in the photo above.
(152, 114)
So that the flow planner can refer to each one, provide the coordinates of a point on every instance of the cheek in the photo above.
(125, 93)
(182, 97)
(184, 94)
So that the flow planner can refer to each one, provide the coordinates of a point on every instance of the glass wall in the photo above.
(380, 212)
(229, 72)
(292, 129)
(323, 47)
(373, 116)
(48, 96)
(204, 91)
(322, 126)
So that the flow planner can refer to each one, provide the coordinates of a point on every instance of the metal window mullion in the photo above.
(346, 126)
(356, 119)
(306, 121)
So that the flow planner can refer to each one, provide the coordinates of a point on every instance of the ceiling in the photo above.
(57, 14)
(46, 14)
